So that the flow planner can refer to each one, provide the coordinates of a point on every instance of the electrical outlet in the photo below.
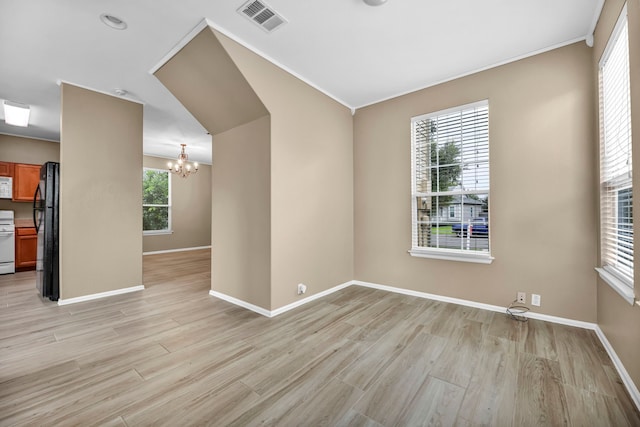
(535, 300)
(301, 289)
(522, 297)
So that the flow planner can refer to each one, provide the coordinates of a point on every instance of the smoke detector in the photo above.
(262, 15)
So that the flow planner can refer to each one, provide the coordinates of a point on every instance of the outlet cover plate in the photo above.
(522, 298)
(535, 300)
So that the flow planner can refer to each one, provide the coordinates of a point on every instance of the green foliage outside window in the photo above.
(155, 200)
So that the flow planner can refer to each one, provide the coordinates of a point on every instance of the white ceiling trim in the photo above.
(30, 137)
(163, 157)
(274, 62)
(488, 67)
(208, 23)
(124, 98)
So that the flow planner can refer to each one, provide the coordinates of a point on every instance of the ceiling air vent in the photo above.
(262, 14)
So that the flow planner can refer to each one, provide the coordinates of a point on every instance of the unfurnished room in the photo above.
(340, 213)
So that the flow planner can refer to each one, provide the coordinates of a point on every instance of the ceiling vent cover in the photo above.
(262, 15)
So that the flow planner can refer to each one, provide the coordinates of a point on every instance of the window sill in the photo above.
(479, 258)
(624, 290)
(156, 232)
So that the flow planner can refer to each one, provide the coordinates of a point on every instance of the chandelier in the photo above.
(181, 167)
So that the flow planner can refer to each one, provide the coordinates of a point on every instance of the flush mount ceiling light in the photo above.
(16, 114)
(113, 21)
(375, 2)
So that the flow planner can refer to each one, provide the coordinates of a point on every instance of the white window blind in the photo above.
(616, 191)
(450, 183)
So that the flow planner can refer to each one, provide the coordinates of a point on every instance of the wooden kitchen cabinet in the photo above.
(6, 169)
(25, 180)
(26, 248)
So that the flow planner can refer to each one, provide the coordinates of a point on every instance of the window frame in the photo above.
(617, 275)
(464, 255)
(169, 229)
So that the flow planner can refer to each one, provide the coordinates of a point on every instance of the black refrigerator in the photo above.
(46, 208)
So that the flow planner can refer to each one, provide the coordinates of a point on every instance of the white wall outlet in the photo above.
(535, 300)
(522, 298)
(301, 289)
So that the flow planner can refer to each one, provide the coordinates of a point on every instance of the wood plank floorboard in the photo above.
(172, 355)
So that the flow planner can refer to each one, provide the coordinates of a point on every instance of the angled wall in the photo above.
(309, 164)
(100, 193)
(208, 83)
(311, 179)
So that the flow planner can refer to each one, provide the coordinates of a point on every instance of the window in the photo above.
(156, 201)
(450, 168)
(616, 190)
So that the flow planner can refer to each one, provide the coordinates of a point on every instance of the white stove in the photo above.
(7, 243)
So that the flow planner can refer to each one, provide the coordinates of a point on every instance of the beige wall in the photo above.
(241, 232)
(542, 215)
(618, 320)
(190, 210)
(311, 162)
(204, 78)
(311, 180)
(17, 149)
(100, 193)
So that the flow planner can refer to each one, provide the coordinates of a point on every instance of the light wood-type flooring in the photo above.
(173, 355)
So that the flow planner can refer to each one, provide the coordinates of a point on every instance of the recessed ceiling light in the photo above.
(375, 2)
(113, 21)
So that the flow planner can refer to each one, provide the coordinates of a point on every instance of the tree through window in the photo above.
(156, 201)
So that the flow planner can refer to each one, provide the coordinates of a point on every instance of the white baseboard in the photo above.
(468, 303)
(309, 299)
(168, 251)
(100, 295)
(277, 311)
(624, 375)
(240, 303)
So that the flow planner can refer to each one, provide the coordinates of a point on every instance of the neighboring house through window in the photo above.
(616, 188)
(450, 173)
(156, 201)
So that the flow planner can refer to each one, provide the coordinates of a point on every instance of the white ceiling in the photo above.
(355, 53)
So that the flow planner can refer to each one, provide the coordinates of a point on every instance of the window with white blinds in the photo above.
(616, 190)
(450, 184)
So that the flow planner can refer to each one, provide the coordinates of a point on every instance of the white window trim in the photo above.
(452, 255)
(156, 232)
(169, 229)
(618, 284)
(622, 285)
(442, 253)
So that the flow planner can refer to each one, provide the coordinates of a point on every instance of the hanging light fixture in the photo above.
(182, 168)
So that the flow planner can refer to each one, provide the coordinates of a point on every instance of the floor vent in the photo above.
(262, 15)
